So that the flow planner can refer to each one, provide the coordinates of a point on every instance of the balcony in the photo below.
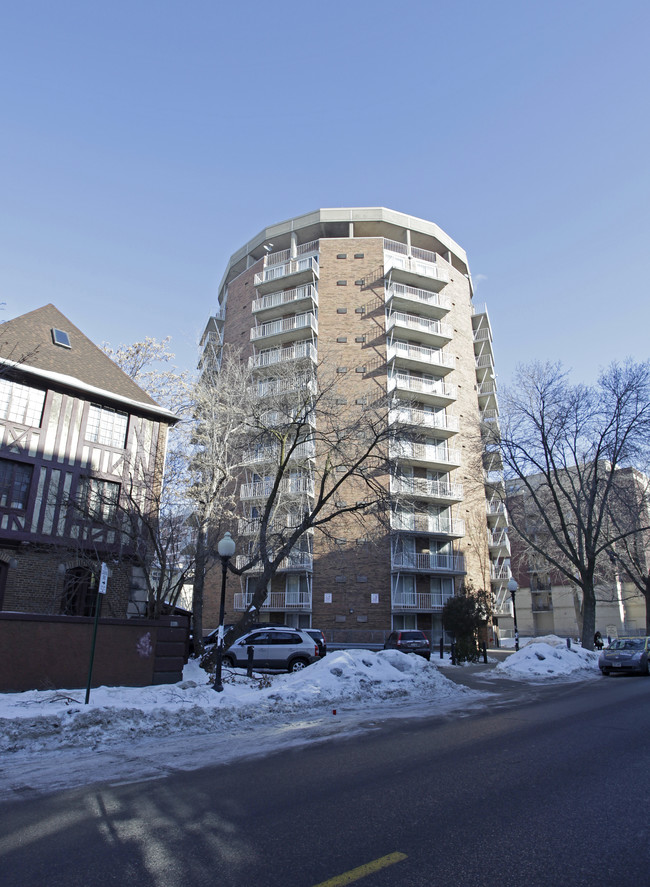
(276, 600)
(420, 601)
(422, 488)
(499, 573)
(276, 304)
(295, 271)
(305, 384)
(299, 485)
(496, 513)
(285, 329)
(298, 351)
(420, 269)
(490, 420)
(270, 455)
(429, 563)
(419, 329)
(412, 453)
(425, 390)
(419, 357)
(422, 301)
(499, 543)
(300, 561)
(428, 524)
(443, 424)
(484, 366)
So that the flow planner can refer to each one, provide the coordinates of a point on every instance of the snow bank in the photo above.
(549, 657)
(39, 720)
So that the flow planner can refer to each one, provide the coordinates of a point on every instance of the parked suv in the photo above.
(286, 649)
(320, 639)
(409, 642)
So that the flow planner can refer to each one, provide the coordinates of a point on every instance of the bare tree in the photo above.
(563, 446)
(222, 403)
(629, 512)
(315, 457)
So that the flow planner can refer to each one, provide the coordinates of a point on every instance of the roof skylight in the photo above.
(60, 337)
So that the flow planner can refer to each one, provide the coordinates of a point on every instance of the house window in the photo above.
(20, 403)
(97, 499)
(79, 596)
(106, 426)
(15, 479)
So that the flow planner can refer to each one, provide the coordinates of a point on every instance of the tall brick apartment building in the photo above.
(73, 429)
(373, 288)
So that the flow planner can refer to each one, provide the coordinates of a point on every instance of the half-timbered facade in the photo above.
(76, 436)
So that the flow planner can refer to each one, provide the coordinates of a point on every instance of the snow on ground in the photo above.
(44, 719)
(549, 657)
(49, 739)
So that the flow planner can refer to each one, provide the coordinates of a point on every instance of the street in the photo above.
(546, 785)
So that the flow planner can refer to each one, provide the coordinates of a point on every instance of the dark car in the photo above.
(626, 654)
(282, 649)
(409, 641)
(320, 639)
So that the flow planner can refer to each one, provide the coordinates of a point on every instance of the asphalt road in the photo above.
(548, 786)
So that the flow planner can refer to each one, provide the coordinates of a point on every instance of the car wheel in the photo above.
(228, 661)
(605, 672)
(298, 665)
(646, 670)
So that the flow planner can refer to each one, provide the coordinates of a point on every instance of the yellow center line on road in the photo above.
(363, 871)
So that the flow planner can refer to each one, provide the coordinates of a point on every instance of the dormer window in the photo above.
(60, 337)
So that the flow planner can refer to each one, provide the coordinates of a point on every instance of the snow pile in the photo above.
(549, 657)
(38, 720)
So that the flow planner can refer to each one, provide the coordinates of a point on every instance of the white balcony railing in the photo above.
(305, 450)
(427, 489)
(499, 540)
(420, 354)
(418, 296)
(426, 523)
(416, 600)
(290, 486)
(285, 325)
(297, 560)
(415, 323)
(487, 388)
(499, 573)
(297, 351)
(436, 563)
(433, 388)
(286, 269)
(305, 384)
(483, 334)
(424, 419)
(415, 267)
(406, 449)
(286, 297)
(276, 600)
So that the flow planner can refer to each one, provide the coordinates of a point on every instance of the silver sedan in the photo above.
(626, 654)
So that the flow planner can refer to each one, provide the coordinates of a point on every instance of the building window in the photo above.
(106, 426)
(97, 499)
(15, 479)
(79, 596)
(20, 403)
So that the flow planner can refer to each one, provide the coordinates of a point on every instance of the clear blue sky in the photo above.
(142, 143)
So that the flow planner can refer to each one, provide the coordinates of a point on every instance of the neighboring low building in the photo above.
(74, 430)
(548, 604)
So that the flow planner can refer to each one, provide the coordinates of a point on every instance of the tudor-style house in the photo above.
(76, 433)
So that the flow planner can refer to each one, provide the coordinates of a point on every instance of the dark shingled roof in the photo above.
(28, 340)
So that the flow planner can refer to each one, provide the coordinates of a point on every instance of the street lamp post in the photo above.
(226, 549)
(512, 588)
